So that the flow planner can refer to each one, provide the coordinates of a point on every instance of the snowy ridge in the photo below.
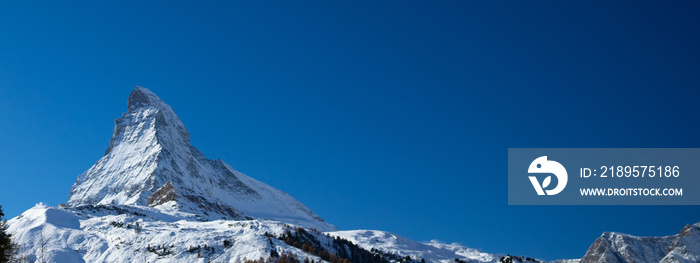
(618, 247)
(150, 148)
(108, 233)
(70, 235)
(433, 251)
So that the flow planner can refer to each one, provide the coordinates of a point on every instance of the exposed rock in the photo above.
(162, 195)
(138, 98)
(622, 248)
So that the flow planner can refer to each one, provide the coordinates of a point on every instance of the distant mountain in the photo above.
(620, 248)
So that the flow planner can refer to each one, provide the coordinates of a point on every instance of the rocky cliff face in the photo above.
(685, 246)
(150, 162)
(616, 247)
(621, 248)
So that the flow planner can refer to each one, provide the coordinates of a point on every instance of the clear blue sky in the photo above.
(390, 115)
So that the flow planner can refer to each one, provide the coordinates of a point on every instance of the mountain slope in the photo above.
(613, 247)
(107, 233)
(150, 162)
(114, 234)
(433, 251)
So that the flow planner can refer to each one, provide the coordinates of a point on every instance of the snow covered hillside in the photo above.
(124, 234)
(107, 233)
(617, 247)
(434, 250)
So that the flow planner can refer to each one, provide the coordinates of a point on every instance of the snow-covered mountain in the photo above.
(617, 247)
(155, 198)
(150, 162)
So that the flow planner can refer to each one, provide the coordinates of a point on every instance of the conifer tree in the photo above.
(7, 248)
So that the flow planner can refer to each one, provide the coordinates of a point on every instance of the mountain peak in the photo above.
(141, 97)
(149, 118)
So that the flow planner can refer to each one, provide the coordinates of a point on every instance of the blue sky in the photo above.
(390, 115)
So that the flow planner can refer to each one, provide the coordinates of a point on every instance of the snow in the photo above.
(433, 251)
(110, 234)
(619, 247)
(685, 246)
(83, 235)
(97, 240)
